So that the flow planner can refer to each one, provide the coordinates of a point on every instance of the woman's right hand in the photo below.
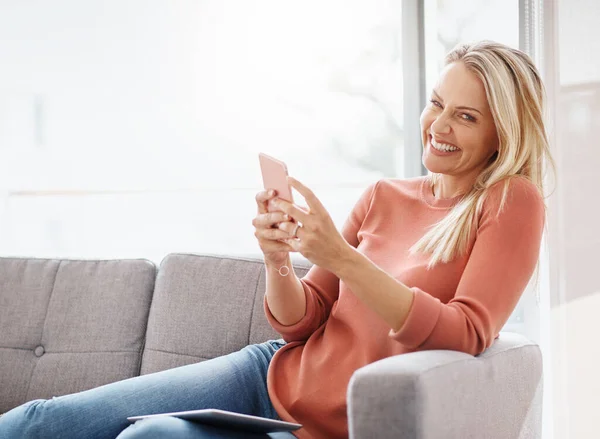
(267, 232)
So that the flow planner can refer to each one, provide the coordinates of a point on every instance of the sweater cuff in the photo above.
(420, 322)
(297, 329)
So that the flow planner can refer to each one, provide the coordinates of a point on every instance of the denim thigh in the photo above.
(235, 382)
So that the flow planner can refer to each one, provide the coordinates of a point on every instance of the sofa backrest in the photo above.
(203, 307)
(70, 325)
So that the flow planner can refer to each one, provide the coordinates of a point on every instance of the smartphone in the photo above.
(274, 174)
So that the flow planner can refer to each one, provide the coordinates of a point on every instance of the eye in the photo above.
(436, 103)
(467, 117)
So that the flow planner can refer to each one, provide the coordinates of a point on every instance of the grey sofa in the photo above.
(69, 325)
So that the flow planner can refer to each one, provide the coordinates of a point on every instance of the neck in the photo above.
(447, 186)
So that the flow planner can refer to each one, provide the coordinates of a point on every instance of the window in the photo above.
(140, 123)
(450, 22)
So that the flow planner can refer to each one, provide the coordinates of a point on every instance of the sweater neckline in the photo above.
(431, 200)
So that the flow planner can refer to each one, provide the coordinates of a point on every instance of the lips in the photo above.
(442, 148)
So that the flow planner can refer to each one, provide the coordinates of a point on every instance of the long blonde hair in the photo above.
(515, 94)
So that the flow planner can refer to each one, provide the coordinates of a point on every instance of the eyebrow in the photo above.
(462, 107)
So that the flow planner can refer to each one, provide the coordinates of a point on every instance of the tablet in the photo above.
(231, 420)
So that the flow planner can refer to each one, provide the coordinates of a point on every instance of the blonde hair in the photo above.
(515, 94)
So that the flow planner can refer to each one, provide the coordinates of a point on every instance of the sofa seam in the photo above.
(75, 352)
(179, 353)
(107, 352)
(255, 260)
(477, 358)
(43, 326)
(143, 346)
(471, 358)
(253, 304)
(16, 348)
(82, 259)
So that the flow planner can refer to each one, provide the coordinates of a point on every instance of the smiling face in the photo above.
(459, 135)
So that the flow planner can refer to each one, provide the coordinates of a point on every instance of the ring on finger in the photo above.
(295, 234)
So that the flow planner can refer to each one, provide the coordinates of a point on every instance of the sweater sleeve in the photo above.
(321, 287)
(501, 263)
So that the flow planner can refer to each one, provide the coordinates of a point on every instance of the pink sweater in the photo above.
(461, 305)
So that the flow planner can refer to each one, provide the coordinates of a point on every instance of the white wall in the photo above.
(579, 41)
(177, 88)
(168, 103)
(575, 216)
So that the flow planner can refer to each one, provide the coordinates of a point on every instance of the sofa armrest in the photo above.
(448, 394)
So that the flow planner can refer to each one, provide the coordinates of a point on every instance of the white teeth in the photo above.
(443, 146)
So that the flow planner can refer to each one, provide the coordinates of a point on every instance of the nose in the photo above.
(440, 125)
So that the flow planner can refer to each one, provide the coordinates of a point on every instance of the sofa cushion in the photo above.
(205, 306)
(70, 325)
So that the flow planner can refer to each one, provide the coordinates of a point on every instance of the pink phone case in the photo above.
(274, 173)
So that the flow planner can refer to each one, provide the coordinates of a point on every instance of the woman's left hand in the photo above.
(317, 239)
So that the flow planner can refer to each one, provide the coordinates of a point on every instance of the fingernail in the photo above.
(271, 192)
(286, 217)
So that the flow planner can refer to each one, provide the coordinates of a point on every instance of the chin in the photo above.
(432, 165)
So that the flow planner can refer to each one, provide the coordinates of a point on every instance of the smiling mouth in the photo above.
(442, 147)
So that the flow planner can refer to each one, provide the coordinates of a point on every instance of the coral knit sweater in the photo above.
(461, 305)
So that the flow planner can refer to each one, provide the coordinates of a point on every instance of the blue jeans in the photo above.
(236, 382)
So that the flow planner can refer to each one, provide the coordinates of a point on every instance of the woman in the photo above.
(435, 262)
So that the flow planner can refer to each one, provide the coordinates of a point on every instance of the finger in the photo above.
(311, 199)
(294, 244)
(265, 195)
(271, 234)
(294, 211)
(270, 219)
(290, 229)
(262, 199)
